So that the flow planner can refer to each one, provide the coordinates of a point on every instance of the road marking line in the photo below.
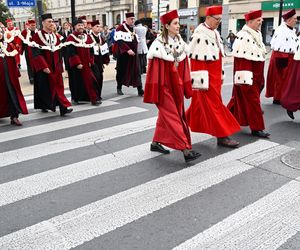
(43, 182)
(73, 142)
(76, 227)
(69, 123)
(265, 224)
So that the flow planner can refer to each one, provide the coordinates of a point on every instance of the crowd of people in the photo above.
(174, 70)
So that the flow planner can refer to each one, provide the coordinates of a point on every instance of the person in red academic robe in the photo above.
(101, 53)
(48, 68)
(283, 44)
(207, 114)
(11, 35)
(128, 68)
(249, 58)
(168, 81)
(26, 37)
(12, 101)
(290, 99)
(83, 81)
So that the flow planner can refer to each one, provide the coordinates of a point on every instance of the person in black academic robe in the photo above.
(101, 53)
(48, 68)
(82, 79)
(128, 69)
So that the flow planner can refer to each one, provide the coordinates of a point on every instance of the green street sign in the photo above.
(274, 5)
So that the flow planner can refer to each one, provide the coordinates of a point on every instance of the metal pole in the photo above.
(40, 11)
(280, 12)
(73, 10)
(158, 15)
(145, 8)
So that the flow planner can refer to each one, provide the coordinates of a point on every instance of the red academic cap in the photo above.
(8, 20)
(82, 17)
(214, 10)
(166, 18)
(94, 23)
(129, 14)
(253, 14)
(289, 14)
(31, 21)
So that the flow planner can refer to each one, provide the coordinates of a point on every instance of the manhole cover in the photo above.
(292, 159)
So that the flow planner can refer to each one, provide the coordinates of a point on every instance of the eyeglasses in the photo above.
(218, 19)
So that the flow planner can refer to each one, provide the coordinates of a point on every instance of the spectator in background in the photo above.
(231, 37)
(142, 49)
(150, 37)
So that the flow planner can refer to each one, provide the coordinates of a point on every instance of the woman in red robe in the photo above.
(207, 113)
(12, 101)
(168, 81)
(290, 99)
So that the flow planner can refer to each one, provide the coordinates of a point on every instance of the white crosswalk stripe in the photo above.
(265, 223)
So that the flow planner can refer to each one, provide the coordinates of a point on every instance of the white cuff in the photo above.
(243, 77)
(125, 36)
(200, 79)
(104, 49)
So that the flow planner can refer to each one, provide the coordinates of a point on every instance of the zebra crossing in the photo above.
(89, 181)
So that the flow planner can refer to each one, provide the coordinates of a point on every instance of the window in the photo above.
(183, 4)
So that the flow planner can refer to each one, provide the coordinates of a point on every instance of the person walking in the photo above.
(207, 113)
(249, 60)
(168, 81)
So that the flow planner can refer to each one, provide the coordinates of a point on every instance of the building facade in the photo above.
(107, 12)
(237, 9)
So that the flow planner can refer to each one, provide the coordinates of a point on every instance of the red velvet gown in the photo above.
(278, 72)
(207, 113)
(48, 88)
(83, 82)
(166, 87)
(12, 101)
(245, 101)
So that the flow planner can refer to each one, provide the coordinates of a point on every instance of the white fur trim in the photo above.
(243, 77)
(284, 39)
(206, 44)
(297, 54)
(104, 49)
(162, 50)
(13, 33)
(200, 79)
(4, 52)
(249, 45)
(223, 73)
(124, 36)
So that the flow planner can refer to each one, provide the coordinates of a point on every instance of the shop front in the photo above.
(188, 22)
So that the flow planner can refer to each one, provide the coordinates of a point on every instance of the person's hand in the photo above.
(131, 53)
(79, 66)
(47, 70)
(90, 64)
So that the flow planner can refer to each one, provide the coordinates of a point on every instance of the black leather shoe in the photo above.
(290, 114)
(191, 156)
(277, 102)
(260, 133)
(96, 103)
(44, 111)
(65, 111)
(159, 148)
(119, 92)
(227, 142)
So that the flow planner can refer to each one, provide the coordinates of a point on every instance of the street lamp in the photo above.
(73, 10)
(280, 12)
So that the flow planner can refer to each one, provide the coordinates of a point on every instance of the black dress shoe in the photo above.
(15, 121)
(159, 148)
(191, 156)
(96, 103)
(44, 111)
(227, 142)
(119, 92)
(290, 114)
(260, 133)
(277, 102)
(65, 111)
